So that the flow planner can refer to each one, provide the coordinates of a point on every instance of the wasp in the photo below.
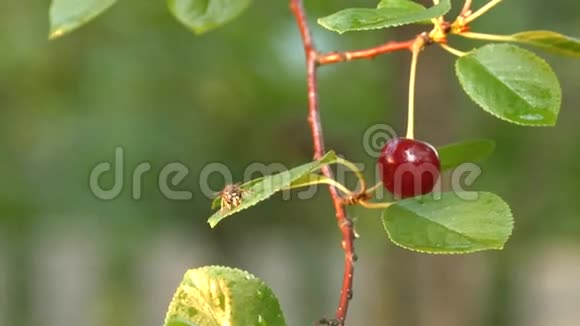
(232, 196)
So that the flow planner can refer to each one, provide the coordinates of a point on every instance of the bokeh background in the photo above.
(136, 78)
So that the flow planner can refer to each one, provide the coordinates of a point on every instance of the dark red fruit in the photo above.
(409, 167)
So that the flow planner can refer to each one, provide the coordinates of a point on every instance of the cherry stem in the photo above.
(351, 166)
(481, 11)
(452, 50)
(487, 37)
(375, 187)
(368, 205)
(322, 180)
(417, 47)
(466, 8)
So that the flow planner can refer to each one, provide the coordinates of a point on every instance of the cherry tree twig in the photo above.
(336, 57)
(466, 8)
(344, 223)
(313, 60)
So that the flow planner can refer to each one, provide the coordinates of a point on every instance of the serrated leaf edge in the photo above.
(321, 22)
(559, 51)
(321, 162)
(503, 118)
(451, 252)
(247, 275)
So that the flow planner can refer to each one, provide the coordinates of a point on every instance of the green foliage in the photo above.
(449, 225)
(68, 15)
(409, 6)
(453, 155)
(511, 83)
(198, 15)
(389, 13)
(308, 180)
(203, 15)
(304, 181)
(217, 296)
(263, 188)
(550, 41)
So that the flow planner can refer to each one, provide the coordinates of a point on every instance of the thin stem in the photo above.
(344, 223)
(351, 166)
(368, 205)
(466, 8)
(438, 29)
(323, 180)
(412, 81)
(336, 57)
(487, 37)
(452, 50)
(481, 11)
(375, 187)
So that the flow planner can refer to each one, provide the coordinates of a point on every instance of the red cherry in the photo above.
(409, 167)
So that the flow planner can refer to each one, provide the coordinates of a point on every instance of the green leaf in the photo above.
(511, 83)
(263, 188)
(308, 180)
(217, 296)
(203, 15)
(472, 151)
(68, 15)
(304, 181)
(216, 202)
(550, 41)
(449, 225)
(406, 5)
(389, 13)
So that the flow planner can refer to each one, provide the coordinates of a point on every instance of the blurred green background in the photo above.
(136, 78)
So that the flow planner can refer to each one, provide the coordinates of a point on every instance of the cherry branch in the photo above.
(336, 57)
(313, 60)
(344, 223)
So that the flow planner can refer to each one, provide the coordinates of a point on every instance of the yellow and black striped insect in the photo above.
(232, 196)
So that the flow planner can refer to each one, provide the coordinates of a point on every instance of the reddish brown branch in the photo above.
(298, 10)
(335, 57)
(343, 221)
(313, 60)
